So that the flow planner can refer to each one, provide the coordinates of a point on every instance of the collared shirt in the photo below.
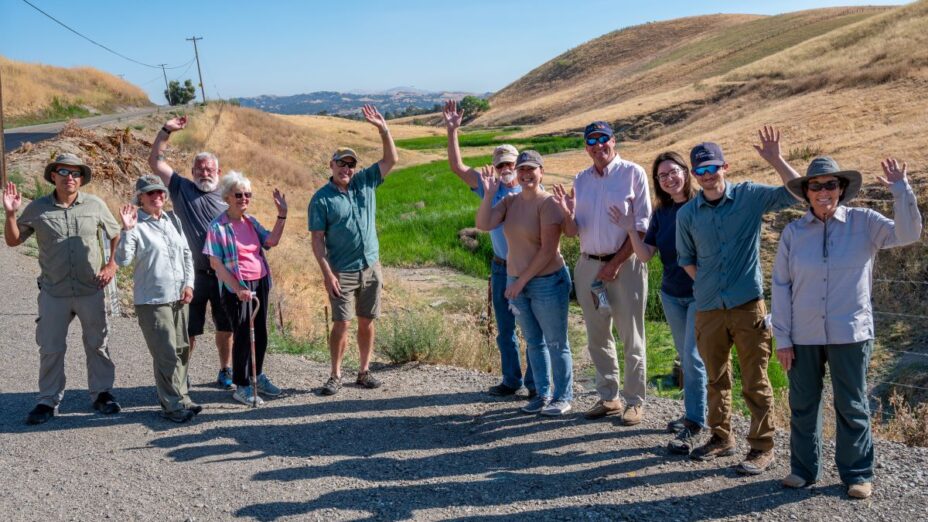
(196, 210)
(220, 243)
(723, 242)
(625, 185)
(497, 237)
(163, 261)
(70, 253)
(822, 276)
(347, 218)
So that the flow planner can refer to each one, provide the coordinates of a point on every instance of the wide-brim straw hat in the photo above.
(72, 161)
(826, 166)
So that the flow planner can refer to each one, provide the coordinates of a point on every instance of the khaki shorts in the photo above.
(360, 294)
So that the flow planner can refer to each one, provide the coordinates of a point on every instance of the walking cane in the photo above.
(256, 303)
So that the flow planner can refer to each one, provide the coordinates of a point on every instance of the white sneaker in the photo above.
(245, 395)
(556, 408)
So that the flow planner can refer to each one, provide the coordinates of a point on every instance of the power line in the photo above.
(98, 44)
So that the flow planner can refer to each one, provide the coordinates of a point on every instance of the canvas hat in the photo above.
(598, 127)
(145, 184)
(531, 158)
(504, 154)
(345, 153)
(69, 160)
(706, 153)
(826, 166)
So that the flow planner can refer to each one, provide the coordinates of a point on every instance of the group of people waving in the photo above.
(711, 289)
(211, 250)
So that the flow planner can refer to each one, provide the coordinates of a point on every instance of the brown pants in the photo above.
(744, 326)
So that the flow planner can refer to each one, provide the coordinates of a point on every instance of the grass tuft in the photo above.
(414, 337)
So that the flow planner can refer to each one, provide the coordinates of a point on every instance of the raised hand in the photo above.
(892, 171)
(566, 201)
(129, 216)
(453, 115)
(373, 116)
(489, 181)
(176, 124)
(769, 148)
(280, 201)
(624, 220)
(12, 199)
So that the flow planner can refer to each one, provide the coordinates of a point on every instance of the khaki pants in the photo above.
(51, 334)
(627, 297)
(744, 326)
(165, 329)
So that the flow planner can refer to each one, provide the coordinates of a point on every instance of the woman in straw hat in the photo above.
(822, 312)
(162, 288)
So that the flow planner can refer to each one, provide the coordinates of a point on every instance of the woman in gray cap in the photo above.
(162, 288)
(822, 312)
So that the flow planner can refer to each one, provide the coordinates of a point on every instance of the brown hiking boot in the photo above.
(716, 447)
(601, 409)
(861, 490)
(756, 462)
(632, 415)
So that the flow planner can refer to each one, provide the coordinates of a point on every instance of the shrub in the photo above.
(410, 336)
(907, 424)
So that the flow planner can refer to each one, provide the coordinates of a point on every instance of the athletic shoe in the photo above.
(106, 404)
(366, 380)
(716, 447)
(245, 395)
(685, 440)
(195, 408)
(794, 481)
(224, 380)
(41, 414)
(331, 386)
(266, 387)
(535, 405)
(556, 408)
(179, 416)
(676, 425)
(501, 390)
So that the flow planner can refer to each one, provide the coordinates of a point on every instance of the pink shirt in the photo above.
(250, 262)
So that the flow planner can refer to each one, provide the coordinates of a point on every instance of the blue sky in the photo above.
(291, 46)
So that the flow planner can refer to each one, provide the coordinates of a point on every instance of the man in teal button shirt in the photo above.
(718, 245)
(344, 239)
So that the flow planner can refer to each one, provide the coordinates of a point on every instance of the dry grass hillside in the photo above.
(655, 58)
(30, 90)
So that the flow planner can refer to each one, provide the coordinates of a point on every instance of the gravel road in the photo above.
(429, 445)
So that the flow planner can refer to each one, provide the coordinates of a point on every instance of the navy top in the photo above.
(662, 233)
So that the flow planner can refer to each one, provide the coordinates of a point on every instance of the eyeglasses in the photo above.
(828, 185)
(349, 164)
(708, 169)
(69, 173)
(601, 139)
(240, 195)
(664, 176)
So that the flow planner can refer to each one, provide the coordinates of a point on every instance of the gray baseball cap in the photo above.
(145, 184)
(530, 158)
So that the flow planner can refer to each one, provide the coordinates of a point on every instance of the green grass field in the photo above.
(543, 144)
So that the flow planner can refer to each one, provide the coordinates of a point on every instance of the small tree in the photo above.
(473, 106)
(178, 94)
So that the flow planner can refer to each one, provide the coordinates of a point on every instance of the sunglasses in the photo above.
(349, 164)
(601, 139)
(155, 193)
(708, 169)
(664, 176)
(828, 185)
(240, 195)
(69, 173)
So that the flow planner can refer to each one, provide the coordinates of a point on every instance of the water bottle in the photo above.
(600, 299)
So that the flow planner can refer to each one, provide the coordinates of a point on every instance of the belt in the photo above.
(604, 259)
(206, 271)
(499, 261)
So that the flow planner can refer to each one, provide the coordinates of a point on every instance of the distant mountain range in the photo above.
(396, 101)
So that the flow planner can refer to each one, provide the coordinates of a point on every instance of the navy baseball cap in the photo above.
(597, 127)
(706, 153)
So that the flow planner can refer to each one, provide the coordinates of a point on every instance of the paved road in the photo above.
(14, 138)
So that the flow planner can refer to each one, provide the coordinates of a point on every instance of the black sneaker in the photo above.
(179, 416)
(676, 425)
(41, 414)
(366, 380)
(106, 404)
(501, 390)
(195, 408)
(331, 386)
(685, 441)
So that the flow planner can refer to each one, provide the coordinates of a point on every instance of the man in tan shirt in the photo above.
(66, 224)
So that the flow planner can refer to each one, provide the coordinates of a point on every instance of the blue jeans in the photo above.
(681, 316)
(542, 316)
(506, 337)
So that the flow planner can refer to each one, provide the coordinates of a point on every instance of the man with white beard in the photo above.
(197, 202)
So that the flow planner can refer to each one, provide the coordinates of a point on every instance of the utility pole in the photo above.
(3, 178)
(199, 72)
(167, 88)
